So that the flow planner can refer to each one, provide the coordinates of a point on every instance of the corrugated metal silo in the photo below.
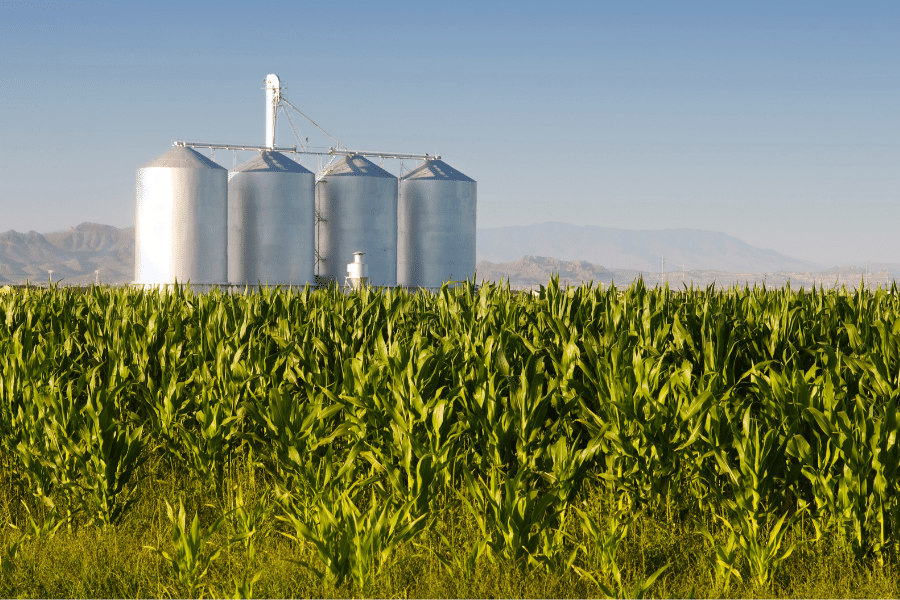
(181, 220)
(436, 226)
(357, 205)
(271, 222)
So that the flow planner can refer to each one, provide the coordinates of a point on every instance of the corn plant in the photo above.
(601, 553)
(107, 453)
(764, 551)
(513, 517)
(725, 560)
(349, 542)
(210, 441)
(10, 553)
(246, 523)
(755, 489)
(45, 528)
(83, 450)
(192, 551)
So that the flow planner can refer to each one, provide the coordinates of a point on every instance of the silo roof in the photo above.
(359, 166)
(183, 158)
(272, 161)
(436, 169)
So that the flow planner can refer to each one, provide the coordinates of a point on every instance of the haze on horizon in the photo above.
(777, 124)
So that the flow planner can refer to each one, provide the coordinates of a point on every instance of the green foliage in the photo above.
(725, 561)
(372, 413)
(191, 557)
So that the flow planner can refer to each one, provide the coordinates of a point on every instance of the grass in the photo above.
(90, 561)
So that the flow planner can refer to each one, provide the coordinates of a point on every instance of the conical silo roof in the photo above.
(184, 158)
(359, 166)
(272, 161)
(436, 169)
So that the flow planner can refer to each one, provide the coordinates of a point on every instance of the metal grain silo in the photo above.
(271, 222)
(181, 220)
(436, 226)
(357, 207)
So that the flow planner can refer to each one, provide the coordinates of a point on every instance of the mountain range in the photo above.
(74, 255)
(640, 250)
(522, 255)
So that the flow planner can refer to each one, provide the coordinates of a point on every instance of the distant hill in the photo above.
(633, 249)
(91, 237)
(536, 270)
(531, 272)
(74, 255)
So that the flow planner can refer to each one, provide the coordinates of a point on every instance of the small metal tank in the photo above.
(271, 222)
(435, 226)
(357, 207)
(181, 216)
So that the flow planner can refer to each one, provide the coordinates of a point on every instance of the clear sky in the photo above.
(776, 122)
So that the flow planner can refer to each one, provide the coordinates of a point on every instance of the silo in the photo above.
(436, 226)
(271, 222)
(181, 220)
(357, 207)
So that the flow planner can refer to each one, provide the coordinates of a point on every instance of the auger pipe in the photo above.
(289, 149)
(384, 154)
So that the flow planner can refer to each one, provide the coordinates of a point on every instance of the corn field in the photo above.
(370, 422)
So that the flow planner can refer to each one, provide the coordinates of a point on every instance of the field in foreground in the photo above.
(582, 442)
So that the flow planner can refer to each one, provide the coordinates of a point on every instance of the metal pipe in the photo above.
(384, 154)
(290, 149)
(296, 150)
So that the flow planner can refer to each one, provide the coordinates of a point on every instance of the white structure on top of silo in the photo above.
(357, 271)
(273, 98)
(181, 214)
(436, 226)
(356, 203)
(271, 222)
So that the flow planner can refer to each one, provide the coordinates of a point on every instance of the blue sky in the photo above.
(776, 122)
